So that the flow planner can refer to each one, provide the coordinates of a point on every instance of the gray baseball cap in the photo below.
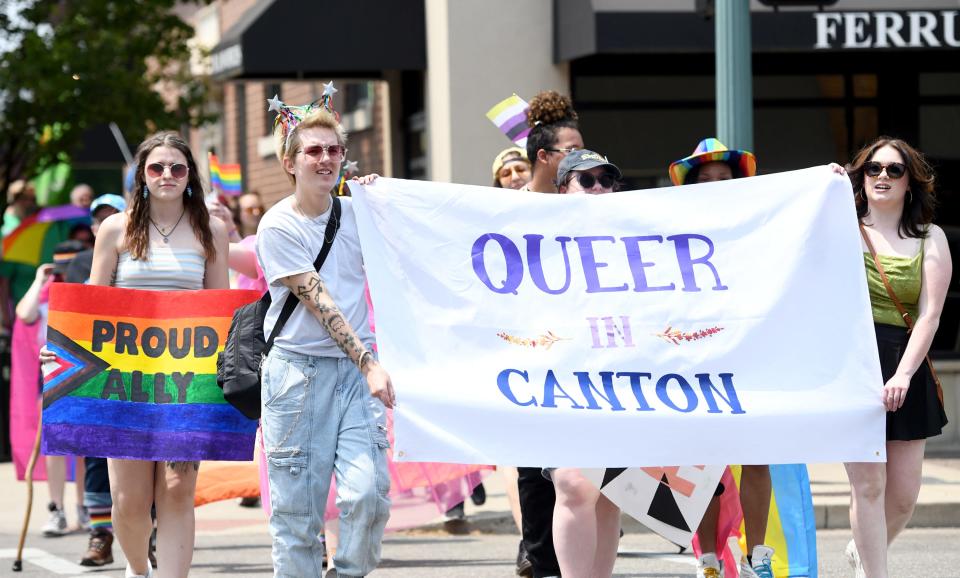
(582, 160)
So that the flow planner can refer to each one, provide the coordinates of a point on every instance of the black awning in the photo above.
(323, 38)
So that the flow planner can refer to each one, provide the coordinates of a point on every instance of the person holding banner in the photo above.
(586, 524)
(554, 132)
(712, 161)
(908, 269)
(324, 392)
(32, 310)
(165, 241)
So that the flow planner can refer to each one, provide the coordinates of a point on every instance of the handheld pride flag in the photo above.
(791, 525)
(135, 376)
(33, 241)
(510, 116)
(225, 177)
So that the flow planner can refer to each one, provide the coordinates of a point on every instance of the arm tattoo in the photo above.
(314, 295)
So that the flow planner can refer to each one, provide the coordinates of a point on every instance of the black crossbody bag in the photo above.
(239, 364)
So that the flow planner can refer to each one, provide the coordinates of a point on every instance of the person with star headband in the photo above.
(324, 392)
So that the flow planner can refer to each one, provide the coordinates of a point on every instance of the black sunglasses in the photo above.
(894, 170)
(587, 180)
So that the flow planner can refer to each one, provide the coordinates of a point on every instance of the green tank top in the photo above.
(904, 274)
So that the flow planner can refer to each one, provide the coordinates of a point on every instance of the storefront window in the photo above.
(939, 127)
(940, 84)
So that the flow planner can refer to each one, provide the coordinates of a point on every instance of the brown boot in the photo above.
(99, 550)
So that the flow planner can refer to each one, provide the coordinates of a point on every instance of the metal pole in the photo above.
(734, 74)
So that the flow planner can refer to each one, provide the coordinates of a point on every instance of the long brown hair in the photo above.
(918, 207)
(138, 225)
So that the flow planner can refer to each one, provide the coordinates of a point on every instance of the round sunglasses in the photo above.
(894, 170)
(587, 180)
(177, 170)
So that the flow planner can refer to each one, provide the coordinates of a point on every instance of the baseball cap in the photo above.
(115, 201)
(583, 160)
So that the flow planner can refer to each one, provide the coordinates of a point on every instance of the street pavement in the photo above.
(233, 541)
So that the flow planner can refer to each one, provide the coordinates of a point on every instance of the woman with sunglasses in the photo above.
(894, 192)
(586, 524)
(165, 241)
(584, 171)
(554, 132)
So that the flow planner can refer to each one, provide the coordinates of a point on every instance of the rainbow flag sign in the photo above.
(225, 178)
(33, 241)
(135, 376)
(510, 116)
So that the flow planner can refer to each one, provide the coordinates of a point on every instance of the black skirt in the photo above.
(922, 415)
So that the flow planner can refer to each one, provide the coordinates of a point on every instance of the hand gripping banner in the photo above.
(135, 376)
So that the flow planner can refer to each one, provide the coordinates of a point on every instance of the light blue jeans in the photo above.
(319, 418)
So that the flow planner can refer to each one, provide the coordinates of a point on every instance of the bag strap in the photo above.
(333, 225)
(893, 297)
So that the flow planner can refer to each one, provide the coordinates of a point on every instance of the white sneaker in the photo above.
(83, 519)
(853, 558)
(761, 564)
(57, 524)
(708, 566)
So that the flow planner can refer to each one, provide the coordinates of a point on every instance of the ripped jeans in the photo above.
(319, 418)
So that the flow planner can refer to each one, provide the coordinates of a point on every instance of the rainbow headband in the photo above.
(289, 116)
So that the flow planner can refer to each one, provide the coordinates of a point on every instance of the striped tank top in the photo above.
(165, 269)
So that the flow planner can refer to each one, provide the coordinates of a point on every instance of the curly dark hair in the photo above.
(919, 206)
(138, 225)
(549, 111)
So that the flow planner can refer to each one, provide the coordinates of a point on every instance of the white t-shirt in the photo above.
(287, 244)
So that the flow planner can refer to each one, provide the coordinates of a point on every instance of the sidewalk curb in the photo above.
(944, 515)
(827, 516)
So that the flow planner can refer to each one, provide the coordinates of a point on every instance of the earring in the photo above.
(911, 197)
(146, 192)
(189, 191)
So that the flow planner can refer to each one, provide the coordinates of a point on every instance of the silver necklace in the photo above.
(166, 236)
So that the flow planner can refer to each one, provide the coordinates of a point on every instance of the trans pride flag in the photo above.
(135, 376)
(225, 178)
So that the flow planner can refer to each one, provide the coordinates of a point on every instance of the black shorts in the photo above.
(922, 415)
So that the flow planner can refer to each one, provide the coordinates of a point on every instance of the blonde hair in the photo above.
(288, 144)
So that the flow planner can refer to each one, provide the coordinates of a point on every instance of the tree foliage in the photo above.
(74, 64)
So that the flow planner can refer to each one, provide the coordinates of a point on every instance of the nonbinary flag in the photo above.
(135, 376)
(510, 116)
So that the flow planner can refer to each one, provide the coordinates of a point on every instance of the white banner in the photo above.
(719, 323)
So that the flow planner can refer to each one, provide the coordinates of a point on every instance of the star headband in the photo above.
(290, 116)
